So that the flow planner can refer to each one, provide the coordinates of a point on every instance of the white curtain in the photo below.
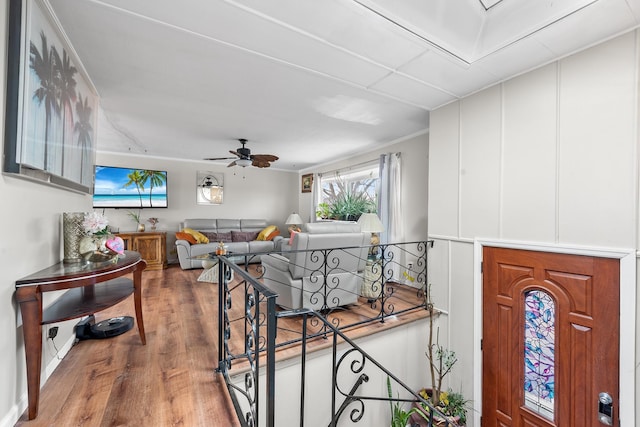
(389, 209)
(316, 190)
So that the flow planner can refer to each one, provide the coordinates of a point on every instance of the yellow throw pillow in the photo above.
(200, 238)
(265, 232)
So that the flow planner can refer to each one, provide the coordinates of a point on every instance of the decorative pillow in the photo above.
(266, 231)
(219, 237)
(200, 238)
(243, 236)
(273, 234)
(293, 234)
(186, 236)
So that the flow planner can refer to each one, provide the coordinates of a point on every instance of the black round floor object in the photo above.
(105, 329)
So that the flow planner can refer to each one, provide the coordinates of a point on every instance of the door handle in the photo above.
(605, 409)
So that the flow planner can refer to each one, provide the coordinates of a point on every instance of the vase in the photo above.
(72, 233)
(94, 243)
(87, 244)
(140, 227)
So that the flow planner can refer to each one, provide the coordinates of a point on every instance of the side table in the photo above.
(90, 289)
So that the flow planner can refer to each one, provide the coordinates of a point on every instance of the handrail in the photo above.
(357, 366)
(259, 318)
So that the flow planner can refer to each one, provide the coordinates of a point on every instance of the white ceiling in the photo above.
(307, 80)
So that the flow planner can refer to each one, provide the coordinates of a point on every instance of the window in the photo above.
(347, 193)
(539, 353)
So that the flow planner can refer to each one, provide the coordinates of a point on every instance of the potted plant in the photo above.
(154, 222)
(441, 361)
(322, 210)
(136, 217)
(400, 417)
(349, 206)
(347, 200)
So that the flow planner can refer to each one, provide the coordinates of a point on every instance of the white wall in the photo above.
(549, 156)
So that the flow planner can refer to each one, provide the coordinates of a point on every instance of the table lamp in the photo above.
(294, 222)
(370, 223)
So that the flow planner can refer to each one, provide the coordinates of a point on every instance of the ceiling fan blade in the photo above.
(219, 158)
(231, 164)
(235, 152)
(259, 163)
(265, 157)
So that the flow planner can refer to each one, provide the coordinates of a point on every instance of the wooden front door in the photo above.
(550, 338)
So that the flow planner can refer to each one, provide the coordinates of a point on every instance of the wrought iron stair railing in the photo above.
(255, 319)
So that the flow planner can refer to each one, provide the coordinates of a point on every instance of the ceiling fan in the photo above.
(245, 158)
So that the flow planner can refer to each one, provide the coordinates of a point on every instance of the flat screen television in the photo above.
(116, 187)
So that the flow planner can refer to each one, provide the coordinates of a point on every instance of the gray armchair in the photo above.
(323, 269)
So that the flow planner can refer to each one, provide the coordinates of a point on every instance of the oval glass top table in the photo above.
(91, 288)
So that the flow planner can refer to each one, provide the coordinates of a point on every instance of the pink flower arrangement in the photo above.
(95, 223)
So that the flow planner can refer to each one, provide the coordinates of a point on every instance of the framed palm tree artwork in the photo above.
(52, 105)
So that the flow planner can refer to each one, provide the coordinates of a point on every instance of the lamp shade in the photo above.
(294, 219)
(370, 223)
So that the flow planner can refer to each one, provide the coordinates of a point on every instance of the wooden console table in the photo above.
(82, 299)
(152, 246)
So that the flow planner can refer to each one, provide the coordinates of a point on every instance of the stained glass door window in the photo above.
(539, 353)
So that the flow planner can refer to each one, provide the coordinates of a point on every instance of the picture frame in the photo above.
(307, 183)
(51, 103)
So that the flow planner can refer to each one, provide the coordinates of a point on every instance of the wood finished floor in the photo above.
(171, 381)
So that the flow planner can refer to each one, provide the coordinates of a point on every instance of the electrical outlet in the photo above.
(53, 332)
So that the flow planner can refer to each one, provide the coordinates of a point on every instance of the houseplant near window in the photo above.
(348, 200)
(349, 206)
(322, 210)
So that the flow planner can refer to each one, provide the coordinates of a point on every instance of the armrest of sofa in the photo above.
(276, 261)
(277, 243)
(184, 252)
(277, 278)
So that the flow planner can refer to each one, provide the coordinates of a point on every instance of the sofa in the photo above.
(239, 236)
(306, 275)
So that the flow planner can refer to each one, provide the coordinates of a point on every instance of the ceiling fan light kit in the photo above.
(244, 157)
(243, 162)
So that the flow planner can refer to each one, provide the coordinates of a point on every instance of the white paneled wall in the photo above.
(597, 139)
(529, 158)
(480, 145)
(549, 156)
(444, 170)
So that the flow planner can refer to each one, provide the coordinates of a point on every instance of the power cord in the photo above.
(52, 333)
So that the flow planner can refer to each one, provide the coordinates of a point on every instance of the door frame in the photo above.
(627, 259)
